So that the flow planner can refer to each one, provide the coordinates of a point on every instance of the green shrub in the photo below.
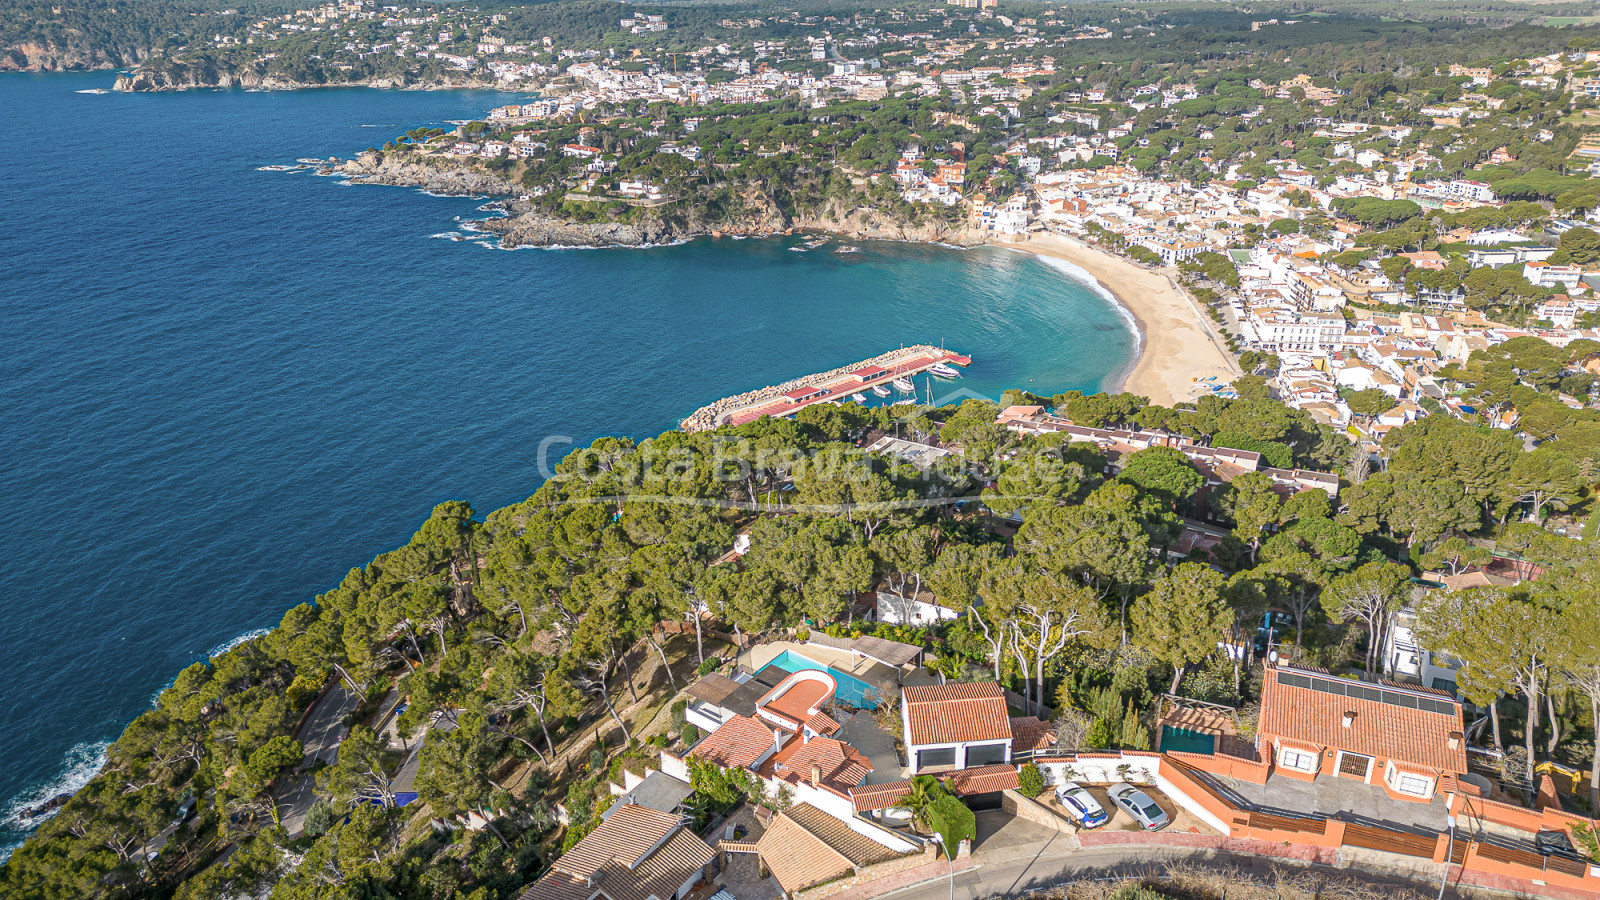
(952, 821)
(676, 714)
(691, 733)
(1030, 781)
(709, 666)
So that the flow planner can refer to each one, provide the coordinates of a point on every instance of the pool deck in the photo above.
(882, 678)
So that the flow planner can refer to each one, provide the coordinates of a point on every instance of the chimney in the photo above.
(1454, 740)
(816, 775)
(1349, 718)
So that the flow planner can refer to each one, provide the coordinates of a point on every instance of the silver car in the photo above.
(1138, 804)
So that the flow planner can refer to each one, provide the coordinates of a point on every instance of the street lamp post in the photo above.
(950, 858)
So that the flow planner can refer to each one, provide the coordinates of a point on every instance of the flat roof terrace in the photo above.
(797, 696)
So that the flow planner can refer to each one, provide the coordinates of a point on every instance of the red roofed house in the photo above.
(1404, 739)
(955, 726)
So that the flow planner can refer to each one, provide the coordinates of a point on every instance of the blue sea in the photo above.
(221, 388)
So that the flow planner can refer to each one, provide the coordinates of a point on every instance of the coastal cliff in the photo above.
(74, 54)
(431, 174)
(178, 75)
(757, 213)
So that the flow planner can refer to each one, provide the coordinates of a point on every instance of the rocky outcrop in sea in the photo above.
(431, 174)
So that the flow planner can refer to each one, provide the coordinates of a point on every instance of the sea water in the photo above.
(221, 388)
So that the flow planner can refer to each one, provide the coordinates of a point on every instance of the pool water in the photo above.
(850, 690)
(1185, 741)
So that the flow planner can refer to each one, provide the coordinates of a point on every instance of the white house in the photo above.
(922, 609)
(955, 726)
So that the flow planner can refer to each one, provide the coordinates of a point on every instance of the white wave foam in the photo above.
(80, 764)
(448, 235)
(231, 643)
(1080, 274)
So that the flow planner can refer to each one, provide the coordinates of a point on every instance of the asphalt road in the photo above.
(320, 735)
(1017, 858)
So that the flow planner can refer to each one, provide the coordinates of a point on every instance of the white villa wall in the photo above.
(701, 719)
(672, 765)
(1101, 770)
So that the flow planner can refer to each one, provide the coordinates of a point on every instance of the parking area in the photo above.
(1181, 819)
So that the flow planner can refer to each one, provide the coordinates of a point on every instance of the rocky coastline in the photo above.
(182, 76)
(522, 226)
(75, 54)
(705, 418)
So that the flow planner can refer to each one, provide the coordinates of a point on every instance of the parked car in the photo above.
(1081, 805)
(1138, 804)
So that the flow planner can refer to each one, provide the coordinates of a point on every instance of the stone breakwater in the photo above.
(706, 417)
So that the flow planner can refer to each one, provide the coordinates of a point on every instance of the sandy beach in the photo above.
(1179, 343)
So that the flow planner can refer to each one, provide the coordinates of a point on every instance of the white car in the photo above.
(1081, 805)
(1138, 804)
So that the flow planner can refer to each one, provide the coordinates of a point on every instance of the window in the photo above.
(1298, 760)
(1415, 785)
(986, 755)
(929, 758)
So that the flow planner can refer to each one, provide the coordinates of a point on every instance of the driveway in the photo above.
(860, 732)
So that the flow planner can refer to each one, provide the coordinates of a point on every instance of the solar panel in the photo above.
(1342, 688)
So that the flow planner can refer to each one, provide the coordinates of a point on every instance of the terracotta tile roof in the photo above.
(805, 846)
(739, 743)
(869, 797)
(822, 724)
(1384, 730)
(840, 765)
(635, 854)
(982, 780)
(956, 713)
(1030, 733)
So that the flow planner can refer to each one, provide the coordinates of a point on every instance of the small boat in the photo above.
(94, 91)
(848, 250)
(906, 385)
(859, 398)
(907, 402)
(944, 371)
(881, 391)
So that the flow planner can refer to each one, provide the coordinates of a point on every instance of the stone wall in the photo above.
(1033, 811)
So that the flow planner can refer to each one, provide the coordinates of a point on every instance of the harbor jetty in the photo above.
(831, 386)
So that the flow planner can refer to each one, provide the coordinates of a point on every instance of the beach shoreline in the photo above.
(1176, 345)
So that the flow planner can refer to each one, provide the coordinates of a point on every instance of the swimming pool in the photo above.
(1186, 741)
(850, 689)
